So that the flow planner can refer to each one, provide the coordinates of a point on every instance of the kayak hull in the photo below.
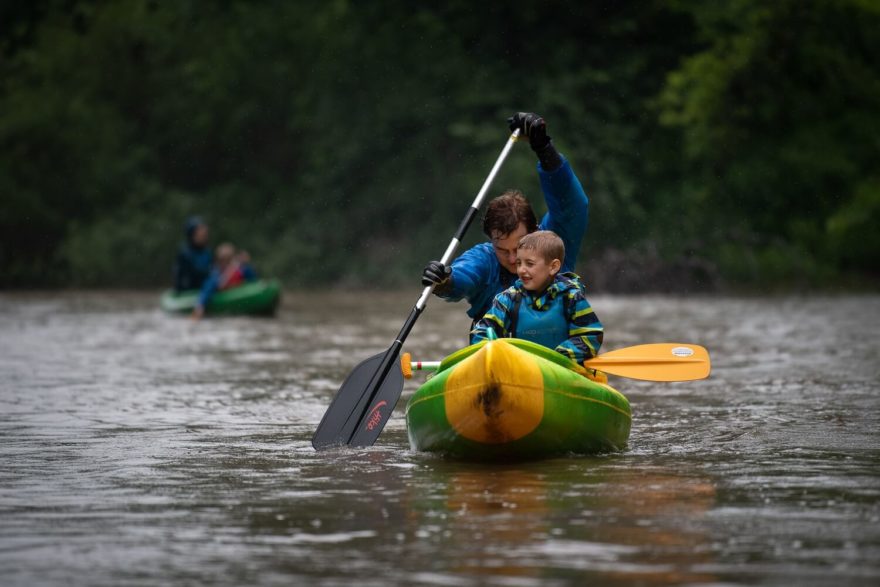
(513, 399)
(259, 297)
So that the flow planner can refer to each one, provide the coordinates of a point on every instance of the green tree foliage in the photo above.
(340, 142)
(781, 134)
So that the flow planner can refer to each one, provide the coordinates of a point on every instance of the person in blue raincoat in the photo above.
(194, 260)
(485, 270)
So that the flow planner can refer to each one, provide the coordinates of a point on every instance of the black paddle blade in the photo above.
(363, 404)
(379, 409)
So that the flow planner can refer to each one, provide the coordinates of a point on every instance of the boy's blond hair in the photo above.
(546, 242)
(225, 252)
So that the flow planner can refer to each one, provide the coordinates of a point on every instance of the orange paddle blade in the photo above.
(655, 362)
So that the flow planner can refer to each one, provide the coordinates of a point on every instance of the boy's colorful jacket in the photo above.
(560, 318)
(479, 277)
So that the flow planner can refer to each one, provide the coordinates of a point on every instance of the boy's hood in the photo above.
(566, 281)
(562, 283)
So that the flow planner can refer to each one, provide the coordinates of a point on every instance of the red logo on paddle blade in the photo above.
(375, 415)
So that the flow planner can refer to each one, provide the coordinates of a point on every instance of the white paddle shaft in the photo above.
(478, 201)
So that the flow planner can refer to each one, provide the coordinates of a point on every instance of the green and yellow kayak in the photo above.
(256, 297)
(513, 399)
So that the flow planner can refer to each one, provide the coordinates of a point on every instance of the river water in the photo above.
(143, 449)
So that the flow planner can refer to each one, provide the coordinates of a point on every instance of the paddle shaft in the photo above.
(424, 365)
(352, 431)
(469, 217)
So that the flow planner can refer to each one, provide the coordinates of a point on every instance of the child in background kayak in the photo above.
(544, 305)
(231, 268)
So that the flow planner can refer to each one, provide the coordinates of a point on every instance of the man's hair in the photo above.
(504, 213)
(546, 243)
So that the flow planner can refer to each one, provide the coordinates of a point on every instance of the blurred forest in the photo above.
(723, 144)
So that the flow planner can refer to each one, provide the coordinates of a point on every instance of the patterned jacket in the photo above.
(566, 295)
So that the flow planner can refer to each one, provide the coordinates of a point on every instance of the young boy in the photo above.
(230, 269)
(544, 305)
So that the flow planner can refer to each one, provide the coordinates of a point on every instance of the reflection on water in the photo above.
(139, 448)
(580, 518)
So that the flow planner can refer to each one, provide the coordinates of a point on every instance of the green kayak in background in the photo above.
(259, 297)
(513, 399)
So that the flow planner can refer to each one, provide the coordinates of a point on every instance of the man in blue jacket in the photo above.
(487, 269)
(194, 259)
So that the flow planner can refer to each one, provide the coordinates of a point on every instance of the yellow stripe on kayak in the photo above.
(594, 400)
(417, 400)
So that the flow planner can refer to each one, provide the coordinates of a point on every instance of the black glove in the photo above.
(534, 127)
(531, 126)
(435, 273)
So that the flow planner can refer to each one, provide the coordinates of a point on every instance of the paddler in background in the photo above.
(194, 260)
(232, 268)
(487, 269)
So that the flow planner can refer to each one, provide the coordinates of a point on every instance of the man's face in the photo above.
(535, 272)
(505, 246)
(200, 235)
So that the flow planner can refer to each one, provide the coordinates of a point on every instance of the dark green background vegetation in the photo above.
(340, 142)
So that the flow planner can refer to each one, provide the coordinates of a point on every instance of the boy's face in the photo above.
(535, 272)
(505, 246)
(223, 256)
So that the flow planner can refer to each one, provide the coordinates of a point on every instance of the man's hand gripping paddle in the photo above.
(366, 399)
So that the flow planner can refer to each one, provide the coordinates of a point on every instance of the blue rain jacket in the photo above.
(478, 276)
(193, 264)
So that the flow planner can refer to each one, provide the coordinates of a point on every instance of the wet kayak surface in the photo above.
(138, 448)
